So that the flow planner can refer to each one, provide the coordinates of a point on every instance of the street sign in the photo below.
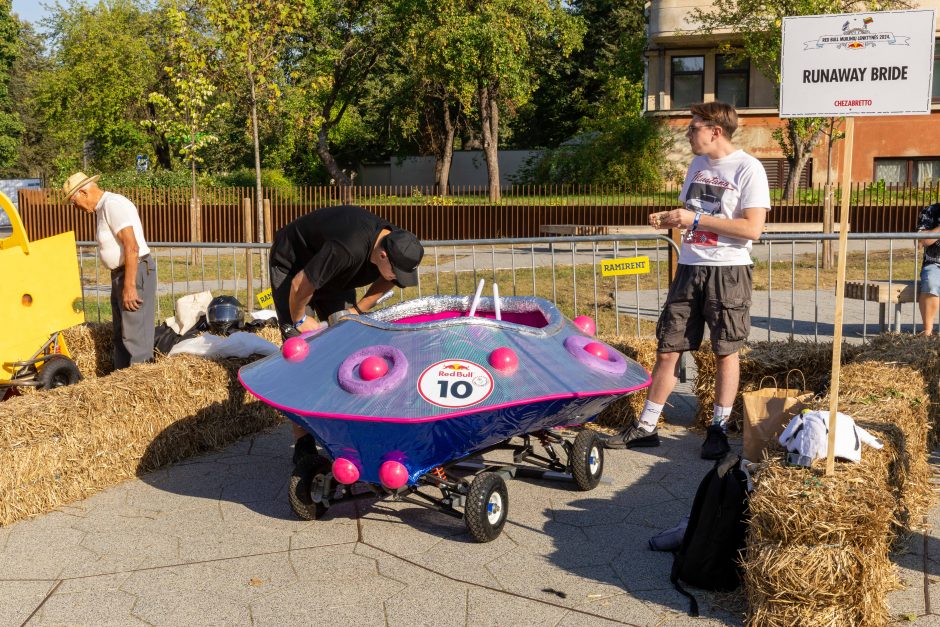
(143, 163)
(852, 64)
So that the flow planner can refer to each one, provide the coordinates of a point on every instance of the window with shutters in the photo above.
(778, 169)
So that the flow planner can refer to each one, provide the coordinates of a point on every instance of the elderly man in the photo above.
(123, 249)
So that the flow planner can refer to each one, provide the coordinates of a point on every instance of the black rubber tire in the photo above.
(486, 507)
(587, 460)
(58, 371)
(306, 471)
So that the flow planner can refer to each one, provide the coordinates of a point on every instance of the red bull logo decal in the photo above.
(455, 383)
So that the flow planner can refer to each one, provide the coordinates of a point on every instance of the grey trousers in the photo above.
(133, 330)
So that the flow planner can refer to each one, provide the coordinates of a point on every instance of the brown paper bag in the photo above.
(767, 411)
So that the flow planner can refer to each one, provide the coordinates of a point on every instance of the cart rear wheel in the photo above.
(58, 371)
(486, 506)
(587, 460)
(309, 474)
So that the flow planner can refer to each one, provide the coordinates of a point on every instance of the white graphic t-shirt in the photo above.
(722, 188)
(115, 212)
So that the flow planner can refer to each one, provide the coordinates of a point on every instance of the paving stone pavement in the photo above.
(212, 541)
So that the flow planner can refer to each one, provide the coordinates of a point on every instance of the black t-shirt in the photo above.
(332, 246)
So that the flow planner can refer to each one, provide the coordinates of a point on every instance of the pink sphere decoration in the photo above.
(393, 474)
(373, 367)
(295, 349)
(586, 325)
(504, 359)
(345, 471)
(598, 350)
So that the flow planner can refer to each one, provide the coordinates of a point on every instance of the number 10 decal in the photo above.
(455, 383)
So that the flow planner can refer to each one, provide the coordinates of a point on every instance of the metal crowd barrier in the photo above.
(565, 270)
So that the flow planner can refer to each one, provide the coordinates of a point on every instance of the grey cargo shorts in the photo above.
(719, 296)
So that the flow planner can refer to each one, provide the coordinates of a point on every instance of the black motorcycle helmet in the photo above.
(224, 315)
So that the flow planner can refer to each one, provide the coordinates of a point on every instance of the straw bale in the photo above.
(807, 585)
(625, 410)
(91, 348)
(71, 442)
(767, 359)
(919, 352)
(817, 547)
(892, 402)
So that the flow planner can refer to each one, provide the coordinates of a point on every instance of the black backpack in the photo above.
(711, 549)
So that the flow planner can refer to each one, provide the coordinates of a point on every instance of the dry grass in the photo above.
(66, 444)
(625, 410)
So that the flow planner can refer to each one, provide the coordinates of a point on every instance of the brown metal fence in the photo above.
(464, 214)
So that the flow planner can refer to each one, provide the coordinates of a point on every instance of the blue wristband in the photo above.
(698, 215)
(300, 322)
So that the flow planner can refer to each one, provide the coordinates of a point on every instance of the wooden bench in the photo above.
(883, 293)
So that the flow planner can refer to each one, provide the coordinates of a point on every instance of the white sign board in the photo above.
(853, 64)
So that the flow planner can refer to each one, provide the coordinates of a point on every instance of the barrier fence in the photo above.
(792, 298)
(229, 214)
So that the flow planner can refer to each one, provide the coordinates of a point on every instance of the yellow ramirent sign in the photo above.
(265, 298)
(626, 265)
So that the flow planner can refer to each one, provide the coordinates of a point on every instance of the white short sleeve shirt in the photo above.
(114, 213)
(722, 188)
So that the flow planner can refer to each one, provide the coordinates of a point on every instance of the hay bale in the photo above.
(817, 547)
(892, 403)
(767, 359)
(625, 410)
(919, 352)
(91, 348)
(69, 443)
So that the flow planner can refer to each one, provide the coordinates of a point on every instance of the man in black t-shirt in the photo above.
(321, 258)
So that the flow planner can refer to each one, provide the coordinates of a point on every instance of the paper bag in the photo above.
(767, 411)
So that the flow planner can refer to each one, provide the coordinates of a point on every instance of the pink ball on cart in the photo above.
(586, 325)
(373, 367)
(504, 359)
(345, 471)
(393, 474)
(295, 349)
(598, 350)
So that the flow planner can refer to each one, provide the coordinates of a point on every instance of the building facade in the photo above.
(684, 67)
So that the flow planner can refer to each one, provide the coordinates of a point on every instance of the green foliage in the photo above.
(94, 96)
(155, 178)
(245, 177)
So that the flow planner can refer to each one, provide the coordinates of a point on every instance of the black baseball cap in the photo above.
(405, 253)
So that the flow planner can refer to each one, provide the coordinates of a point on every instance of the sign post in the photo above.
(849, 65)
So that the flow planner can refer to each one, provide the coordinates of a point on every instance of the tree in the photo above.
(10, 126)
(496, 47)
(104, 64)
(252, 35)
(35, 150)
(755, 26)
(186, 117)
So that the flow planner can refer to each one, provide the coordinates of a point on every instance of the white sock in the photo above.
(720, 417)
(649, 418)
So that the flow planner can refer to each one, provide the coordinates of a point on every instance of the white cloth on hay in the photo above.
(239, 344)
(808, 434)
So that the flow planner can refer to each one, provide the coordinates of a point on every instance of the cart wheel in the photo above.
(486, 506)
(58, 371)
(309, 472)
(586, 460)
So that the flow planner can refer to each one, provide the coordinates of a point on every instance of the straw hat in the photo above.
(76, 182)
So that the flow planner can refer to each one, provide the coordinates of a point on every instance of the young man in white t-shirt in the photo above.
(726, 198)
(123, 249)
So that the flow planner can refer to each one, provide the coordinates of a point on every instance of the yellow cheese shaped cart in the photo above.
(40, 293)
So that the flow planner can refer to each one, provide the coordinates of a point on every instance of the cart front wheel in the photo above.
(486, 507)
(587, 460)
(58, 371)
(310, 473)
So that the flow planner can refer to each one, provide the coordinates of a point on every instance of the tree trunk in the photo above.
(259, 201)
(489, 115)
(195, 213)
(802, 151)
(442, 167)
(323, 149)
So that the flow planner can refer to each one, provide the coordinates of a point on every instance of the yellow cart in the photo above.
(40, 294)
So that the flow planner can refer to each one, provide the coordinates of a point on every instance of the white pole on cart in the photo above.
(384, 297)
(499, 315)
(476, 299)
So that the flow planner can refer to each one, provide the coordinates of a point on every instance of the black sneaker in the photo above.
(303, 447)
(633, 436)
(716, 443)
